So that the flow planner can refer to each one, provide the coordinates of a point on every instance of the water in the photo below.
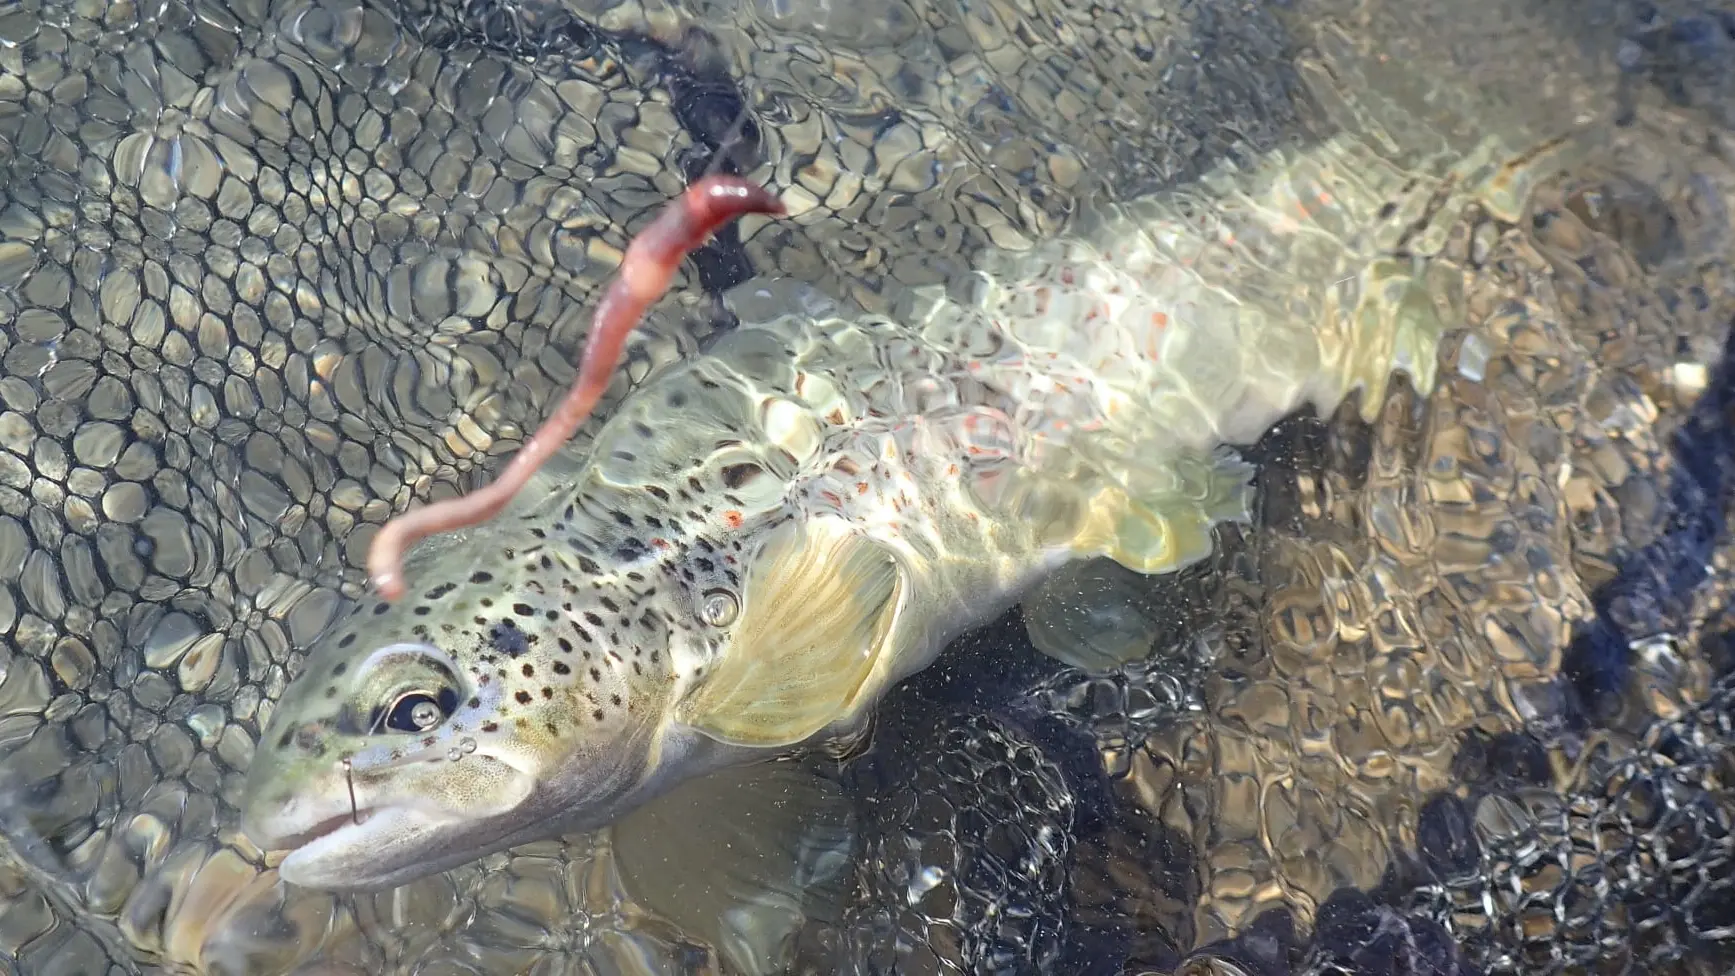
(270, 269)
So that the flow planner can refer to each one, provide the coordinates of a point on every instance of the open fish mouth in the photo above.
(328, 854)
(325, 828)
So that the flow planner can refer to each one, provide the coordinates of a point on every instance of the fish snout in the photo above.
(284, 818)
(290, 791)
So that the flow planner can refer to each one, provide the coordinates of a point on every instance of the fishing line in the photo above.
(349, 777)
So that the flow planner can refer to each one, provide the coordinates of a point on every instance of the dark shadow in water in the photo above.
(998, 798)
(1652, 592)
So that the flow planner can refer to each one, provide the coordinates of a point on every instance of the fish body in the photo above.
(764, 539)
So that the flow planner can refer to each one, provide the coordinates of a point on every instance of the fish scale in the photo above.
(765, 538)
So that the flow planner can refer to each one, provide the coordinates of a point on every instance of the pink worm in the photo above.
(645, 273)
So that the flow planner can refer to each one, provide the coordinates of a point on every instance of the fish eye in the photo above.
(419, 711)
(719, 608)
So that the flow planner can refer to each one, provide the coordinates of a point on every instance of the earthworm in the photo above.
(645, 273)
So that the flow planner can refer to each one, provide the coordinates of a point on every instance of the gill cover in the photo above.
(817, 608)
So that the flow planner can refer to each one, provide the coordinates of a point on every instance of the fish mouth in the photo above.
(325, 828)
(348, 850)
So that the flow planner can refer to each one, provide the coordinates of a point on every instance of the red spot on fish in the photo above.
(660, 543)
(861, 487)
(732, 518)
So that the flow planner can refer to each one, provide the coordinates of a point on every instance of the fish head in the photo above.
(666, 612)
(518, 689)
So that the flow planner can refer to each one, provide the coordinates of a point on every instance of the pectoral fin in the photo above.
(816, 610)
(1093, 614)
(1095, 618)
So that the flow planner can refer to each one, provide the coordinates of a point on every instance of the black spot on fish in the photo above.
(523, 697)
(631, 550)
(439, 591)
(547, 692)
(474, 702)
(380, 608)
(657, 493)
(523, 609)
(594, 620)
(506, 638)
(597, 715)
(343, 666)
(347, 640)
(529, 670)
(481, 577)
(490, 726)
(561, 668)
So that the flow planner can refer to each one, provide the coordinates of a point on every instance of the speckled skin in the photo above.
(742, 508)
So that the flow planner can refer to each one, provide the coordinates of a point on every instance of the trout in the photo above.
(765, 538)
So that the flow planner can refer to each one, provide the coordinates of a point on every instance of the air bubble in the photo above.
(924, 882)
